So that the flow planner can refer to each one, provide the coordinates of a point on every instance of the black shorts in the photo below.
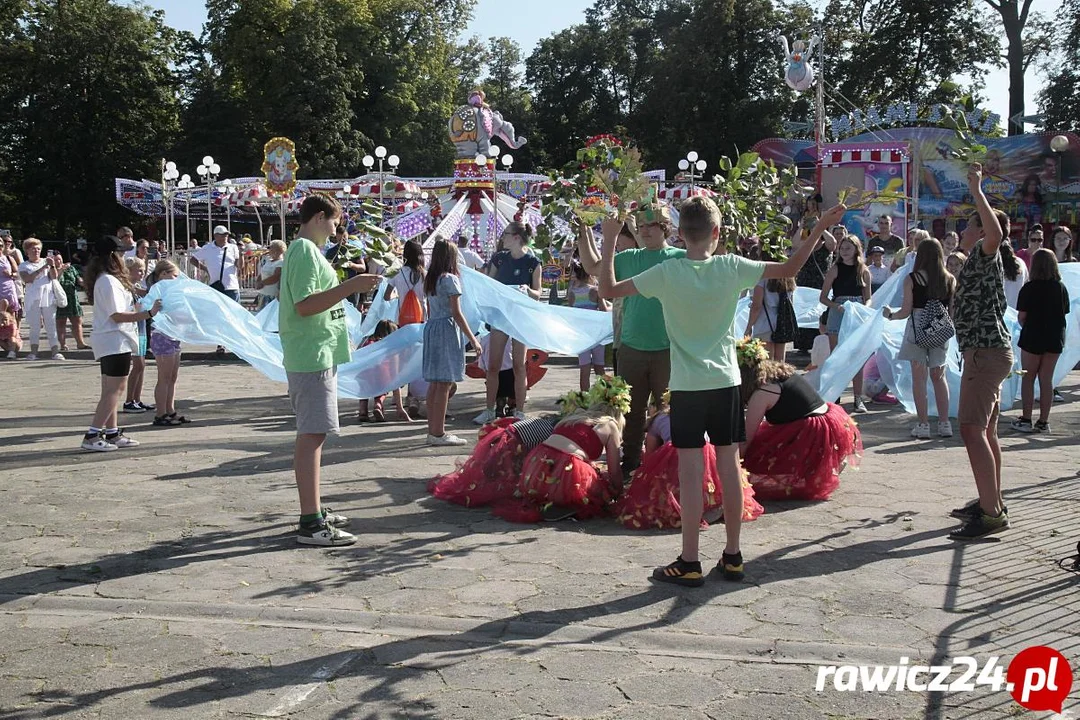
(716, 412)
(118, 365)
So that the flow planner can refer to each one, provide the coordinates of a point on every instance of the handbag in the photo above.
(218, 284)
(786, 321)
(59, 294)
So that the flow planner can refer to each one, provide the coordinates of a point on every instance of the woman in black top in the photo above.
(796, 444)
(516, 267)
(1042, 308)
(848, 280)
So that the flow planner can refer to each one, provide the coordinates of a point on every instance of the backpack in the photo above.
(787, 324)
(935, 327)
(411, 310)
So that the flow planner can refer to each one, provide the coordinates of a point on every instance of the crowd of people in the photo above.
(702, 420)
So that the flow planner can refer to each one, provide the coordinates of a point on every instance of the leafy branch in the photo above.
(751, 195)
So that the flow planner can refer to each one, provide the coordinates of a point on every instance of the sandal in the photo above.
(379, 416)
(167, 420)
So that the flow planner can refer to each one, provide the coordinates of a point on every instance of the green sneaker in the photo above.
(981, 526)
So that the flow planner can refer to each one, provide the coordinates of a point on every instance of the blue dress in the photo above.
(444, 349)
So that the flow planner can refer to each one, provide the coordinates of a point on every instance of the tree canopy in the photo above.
(94, 89)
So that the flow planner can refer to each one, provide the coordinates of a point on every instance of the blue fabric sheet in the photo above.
(196, 314)
(865, 331)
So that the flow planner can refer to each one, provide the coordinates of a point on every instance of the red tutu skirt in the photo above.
(554, 477)
(490, 474)
(802, 460)
(651, 501)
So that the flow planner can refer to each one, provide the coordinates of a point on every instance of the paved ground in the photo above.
(165, 582)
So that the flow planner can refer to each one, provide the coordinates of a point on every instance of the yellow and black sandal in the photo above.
(680, 572)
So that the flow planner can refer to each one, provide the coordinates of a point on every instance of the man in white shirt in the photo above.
(469, 257)
(223, 263)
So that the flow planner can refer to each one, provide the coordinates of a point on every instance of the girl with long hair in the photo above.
(928, 280)
(114, 339)
(848, 280)
(409, 285)
(1042, 309)
(444, 351)
(1016, 273)
(516, 267)
(796, 444)
(1062, 245)
(765, 312)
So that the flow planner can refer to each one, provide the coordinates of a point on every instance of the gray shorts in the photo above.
(934, 357)
(314, 400)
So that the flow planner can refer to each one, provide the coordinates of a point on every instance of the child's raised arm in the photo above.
(791, 268)
(609, 288)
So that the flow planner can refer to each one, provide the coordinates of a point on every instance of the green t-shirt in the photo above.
(643, 318)
(699, 298)
(320, 341)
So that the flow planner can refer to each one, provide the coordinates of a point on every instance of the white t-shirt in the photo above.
(878, 275)
(401, 283)
(1012, 287)
(820, 351)
(267, 268)
(109, 337)
(470, 258)
(38, 293)
(210, 256)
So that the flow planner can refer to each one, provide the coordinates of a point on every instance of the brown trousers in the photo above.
(647, 372)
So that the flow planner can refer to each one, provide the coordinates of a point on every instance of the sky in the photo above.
(531, 20)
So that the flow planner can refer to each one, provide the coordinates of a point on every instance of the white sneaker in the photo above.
(98, 444)
(921, 431)
(488, 416)
(58, 356)
(518, 415)
(123, 441)
(32, 356)
(944, 428)
(446, 439)
(325, 535)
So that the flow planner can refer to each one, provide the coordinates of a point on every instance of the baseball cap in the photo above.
(221, 230)
(876, 249)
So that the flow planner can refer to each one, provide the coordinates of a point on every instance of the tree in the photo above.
(1025, 43)
(88, 94)
(1060, 99)
(881, 51)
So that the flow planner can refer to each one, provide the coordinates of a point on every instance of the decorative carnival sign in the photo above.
(908, 113)
(280, 166)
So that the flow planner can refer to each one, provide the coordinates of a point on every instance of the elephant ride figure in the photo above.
(473, 127)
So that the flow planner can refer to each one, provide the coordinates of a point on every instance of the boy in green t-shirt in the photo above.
(705, 374)
(314, 341)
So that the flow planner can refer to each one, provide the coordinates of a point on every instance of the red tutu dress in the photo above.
(492, 472)
(553, 477)
(802, 459)
(651, 500)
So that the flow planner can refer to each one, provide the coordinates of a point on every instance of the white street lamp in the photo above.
(187, 185)
(208, 171)
(392, 161)
(1058, 144)
(694, 166)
